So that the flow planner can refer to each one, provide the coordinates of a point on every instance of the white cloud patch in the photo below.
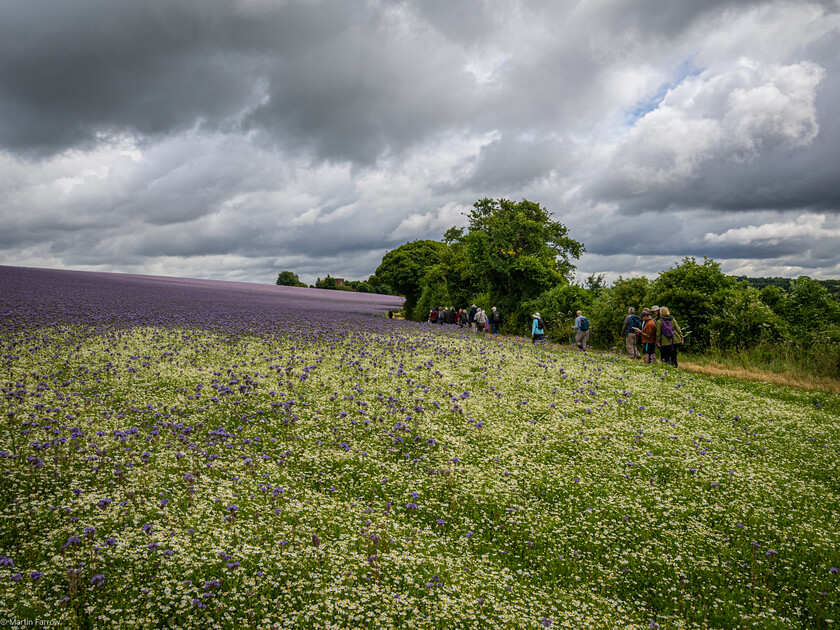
(731, 116)
(430, 224)
(807, 227)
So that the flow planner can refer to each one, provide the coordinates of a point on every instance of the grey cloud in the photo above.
(510, 163)
(316, 135)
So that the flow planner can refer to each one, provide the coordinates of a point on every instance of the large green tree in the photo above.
(516, 251)
(403, 270)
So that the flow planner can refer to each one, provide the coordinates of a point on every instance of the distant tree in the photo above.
(595, 282)
(403, 270)
(327, 283)
(289, 279)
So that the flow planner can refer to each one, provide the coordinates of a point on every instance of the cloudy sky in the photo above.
(233, 139)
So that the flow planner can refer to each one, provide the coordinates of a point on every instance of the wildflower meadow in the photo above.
(196, 454)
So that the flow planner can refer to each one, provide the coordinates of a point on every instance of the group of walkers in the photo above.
(655, 328)
(476, 319)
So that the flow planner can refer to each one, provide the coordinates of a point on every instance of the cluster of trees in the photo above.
(515, 257)
(371, 285)
(509, 254)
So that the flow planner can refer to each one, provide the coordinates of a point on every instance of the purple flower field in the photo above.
(195, 454)
(43, 297)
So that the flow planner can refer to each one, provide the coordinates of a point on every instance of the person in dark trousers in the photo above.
(669, 336)
(495, 321)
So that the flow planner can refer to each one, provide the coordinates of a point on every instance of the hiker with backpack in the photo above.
(495, 321)
(582, 328)
(668, 336)
(630, 330)
(537, 328)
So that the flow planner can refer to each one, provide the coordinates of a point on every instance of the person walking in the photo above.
(668, 336)
(630, 330)
(654, 313)
(648, 337)
(495, 321)
(582, 328)
(537, 328)
(480, 321)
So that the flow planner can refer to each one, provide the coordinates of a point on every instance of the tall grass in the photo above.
(810, 368)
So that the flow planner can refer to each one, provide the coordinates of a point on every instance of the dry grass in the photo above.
(789, 379)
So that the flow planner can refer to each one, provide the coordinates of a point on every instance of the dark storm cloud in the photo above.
(230, 137)
(76, 70)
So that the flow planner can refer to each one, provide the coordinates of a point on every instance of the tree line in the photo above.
(372, 285)
(514, 256)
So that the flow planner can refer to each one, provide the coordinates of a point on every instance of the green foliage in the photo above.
(775, 298)
(327, 283)
(809, 307)
(433, 292)
(289, 279)
(557, 307)
(693, 293)
(831, 286)
(516, 252)
(403, 270)
(744, 320)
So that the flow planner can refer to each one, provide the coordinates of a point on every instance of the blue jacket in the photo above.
(535, 329)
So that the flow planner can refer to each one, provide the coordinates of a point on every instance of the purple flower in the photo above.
(73, 540)
(16, 577)
(5, 561)
(833, 570)
(36, 575)
(98, 580)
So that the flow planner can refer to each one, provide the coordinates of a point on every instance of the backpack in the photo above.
(668, 328)
(584, 323)
(540, 324)
(634, 322)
